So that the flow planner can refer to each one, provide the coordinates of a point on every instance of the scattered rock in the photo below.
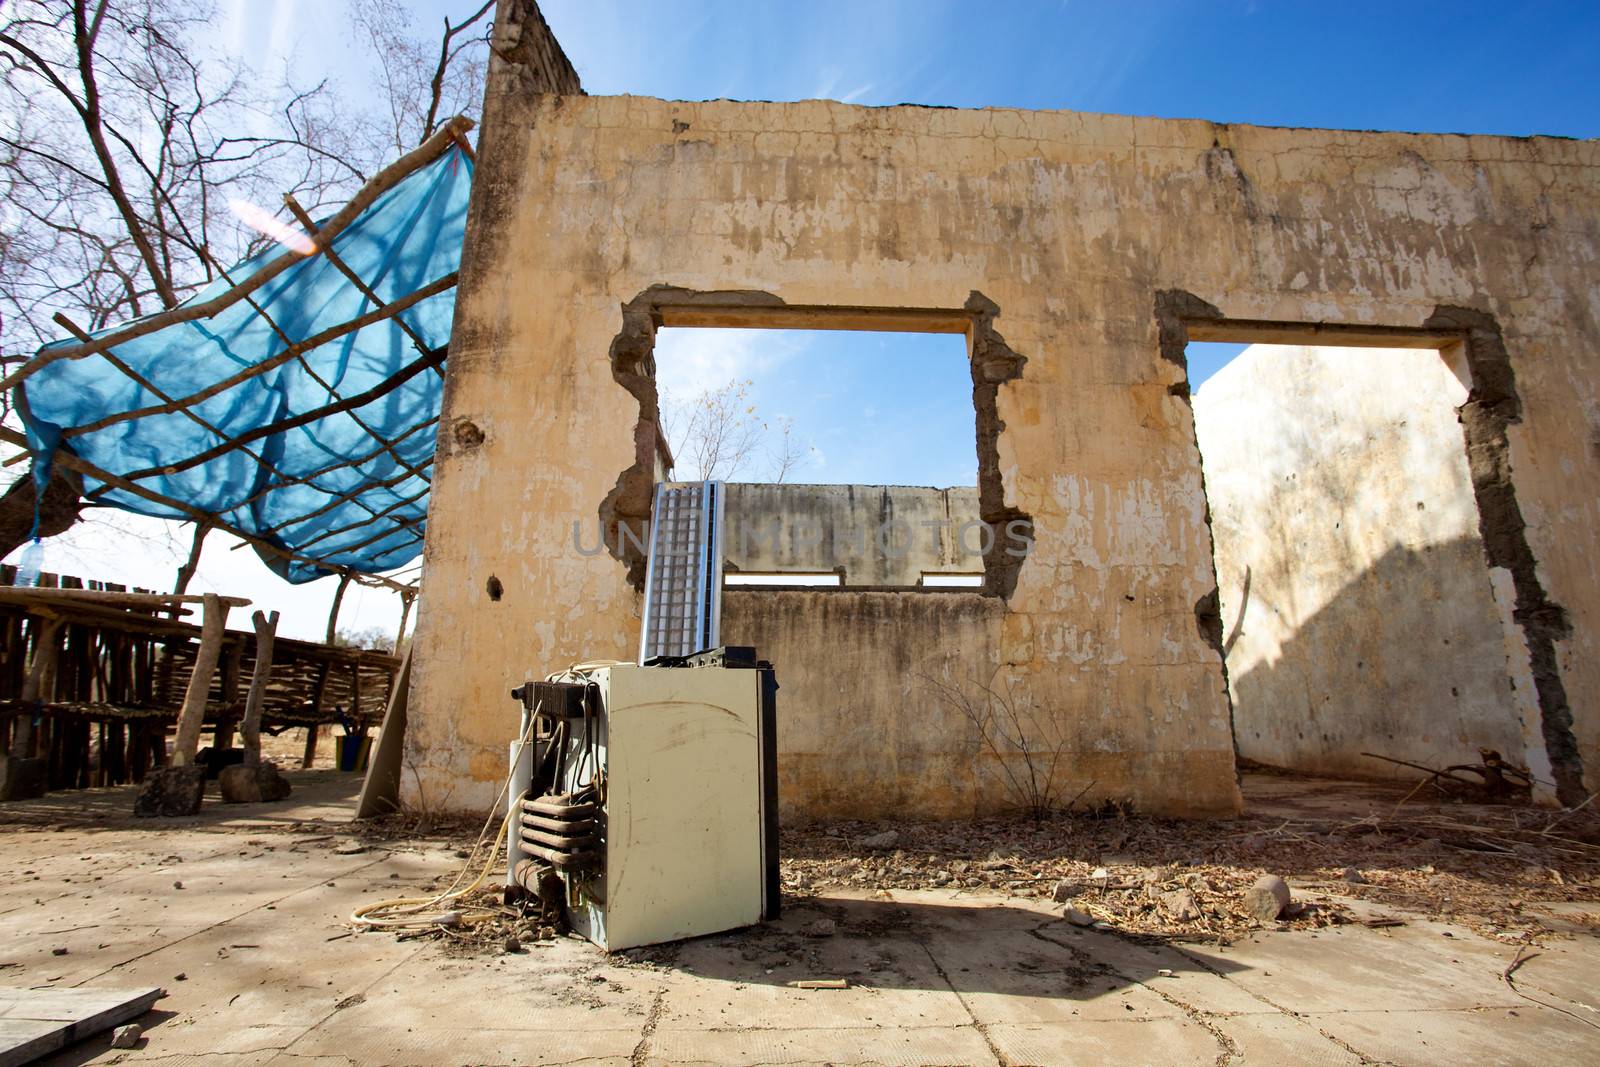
(177, 885)
(62, 951)
(881, 842)
(23, 779)
(243, 784)
(1181, 905)
(1267, 899)
(513, 945)
(820, 928)
(171, 792)
(1077, 917)
(1353, 875)
(127, 1036)
(1065, 890)
(941, 878)
(349, 848)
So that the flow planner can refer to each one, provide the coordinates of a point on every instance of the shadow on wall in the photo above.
(1401, 661)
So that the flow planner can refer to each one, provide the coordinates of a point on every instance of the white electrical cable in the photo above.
(409, 907)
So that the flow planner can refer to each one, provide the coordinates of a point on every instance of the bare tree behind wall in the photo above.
(132, 151)
(717, 434)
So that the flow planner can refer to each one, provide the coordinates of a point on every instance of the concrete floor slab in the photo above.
(1524, 1036)
(1126, 1043)
(904, 1046)
(1277, 1038)
(379, 1046)
(272, 972)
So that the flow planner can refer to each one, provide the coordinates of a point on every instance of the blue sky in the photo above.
(899, 409)
(888, 408)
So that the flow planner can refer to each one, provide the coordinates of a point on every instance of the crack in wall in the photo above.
(1492, 406)
(625, 512)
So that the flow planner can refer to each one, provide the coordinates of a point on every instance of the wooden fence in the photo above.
(103, 708)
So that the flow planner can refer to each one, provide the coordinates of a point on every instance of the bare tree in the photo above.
(423, 83)
(788, 453)
(718, 434)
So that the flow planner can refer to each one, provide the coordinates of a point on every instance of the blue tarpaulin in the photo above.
(337, 488)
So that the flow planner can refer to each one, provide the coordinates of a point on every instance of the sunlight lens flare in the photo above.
(262, 221)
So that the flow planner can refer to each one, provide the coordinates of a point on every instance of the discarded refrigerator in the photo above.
(651, 793)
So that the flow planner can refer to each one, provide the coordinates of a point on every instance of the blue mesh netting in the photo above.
(289, 491)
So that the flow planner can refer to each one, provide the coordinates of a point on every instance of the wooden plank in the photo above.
(28, 595)
(34, 1022)
(380, 792)
(25, 1040)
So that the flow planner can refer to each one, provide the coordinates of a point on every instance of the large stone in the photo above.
(171, 792)
(21, 779)
(244, 784)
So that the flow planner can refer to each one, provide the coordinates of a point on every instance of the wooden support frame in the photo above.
(450, 135)
(384, 180)
(250, 727)
(192, 716)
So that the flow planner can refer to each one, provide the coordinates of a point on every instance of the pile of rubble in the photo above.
(1195, 879)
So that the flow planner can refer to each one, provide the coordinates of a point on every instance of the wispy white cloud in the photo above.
(689, 362)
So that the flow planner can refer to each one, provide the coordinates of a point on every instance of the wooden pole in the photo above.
(192, 716)
(232, 664)
(317, 694)
(250, 730)
(186, 572)
(406, 600)
(45, 650)
(333, 613)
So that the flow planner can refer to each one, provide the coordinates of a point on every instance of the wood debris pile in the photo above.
(1484, 866)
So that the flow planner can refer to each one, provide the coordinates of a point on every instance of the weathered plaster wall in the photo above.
(1069, 225)
(879, 534)
(1356, 597)
(861, 728)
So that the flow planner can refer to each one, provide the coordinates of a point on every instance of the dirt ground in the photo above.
(1430, 933)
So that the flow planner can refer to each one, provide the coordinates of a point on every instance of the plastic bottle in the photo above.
(31, 564)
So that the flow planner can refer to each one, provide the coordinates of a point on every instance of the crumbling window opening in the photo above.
(991, 364)
(1473, 349)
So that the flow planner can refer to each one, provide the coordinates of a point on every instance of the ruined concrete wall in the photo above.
(1356, 597)
(861, 728)
(1069, 225)
(878, 534)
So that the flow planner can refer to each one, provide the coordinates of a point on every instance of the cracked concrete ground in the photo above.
(261, 968)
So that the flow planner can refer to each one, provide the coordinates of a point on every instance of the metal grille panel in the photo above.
(683, 578)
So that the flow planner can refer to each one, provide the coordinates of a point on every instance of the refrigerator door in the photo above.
(684, 804)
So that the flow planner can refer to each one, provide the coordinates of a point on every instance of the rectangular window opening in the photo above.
(841, 447)
(952, 581)
(796, 578)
